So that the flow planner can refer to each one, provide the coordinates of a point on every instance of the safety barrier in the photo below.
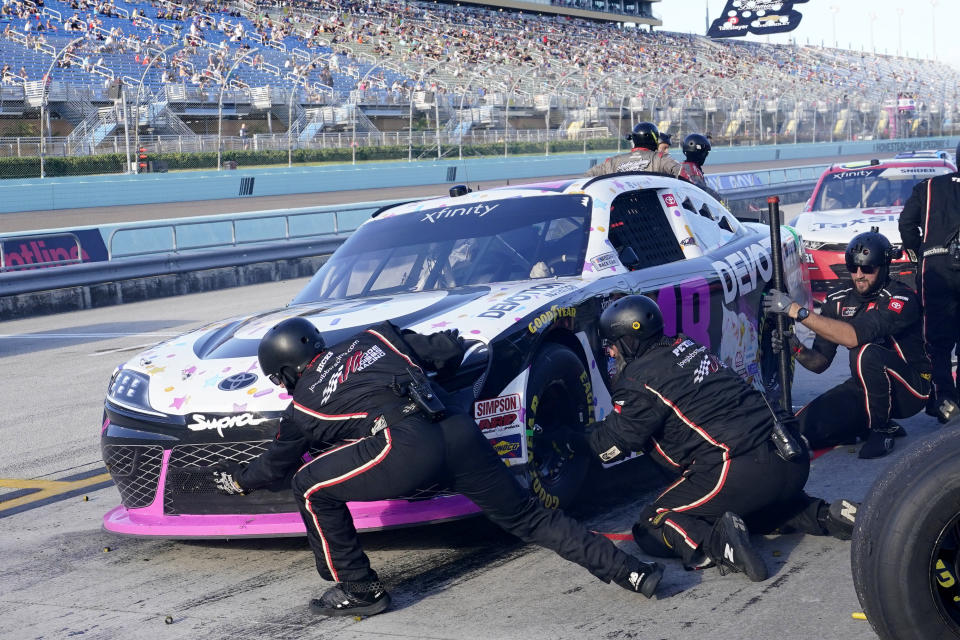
(151, 188)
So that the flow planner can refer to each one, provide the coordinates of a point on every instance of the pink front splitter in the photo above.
(367, 516)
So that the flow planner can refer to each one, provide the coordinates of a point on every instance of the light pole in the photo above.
(223, 88)
(899, 30)
(873, 18)
(556, 90)
(463, 95)
(47, 79)
(420, 76)
(833, 10)
(293, 95)
(933, 26)
(136, 111)
(506, 111)
(353, 116)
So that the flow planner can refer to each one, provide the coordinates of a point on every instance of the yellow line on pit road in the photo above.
(47, 488)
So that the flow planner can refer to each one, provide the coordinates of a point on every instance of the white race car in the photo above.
(524, 271)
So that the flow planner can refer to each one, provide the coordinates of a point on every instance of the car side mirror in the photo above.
(629, 258)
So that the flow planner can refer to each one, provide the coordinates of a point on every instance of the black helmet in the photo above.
(696, 148)
(287, 349)
(630, 323)
(646, 135)
(871, 249)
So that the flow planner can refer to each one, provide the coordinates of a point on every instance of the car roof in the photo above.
(585, 185)
(904, 161)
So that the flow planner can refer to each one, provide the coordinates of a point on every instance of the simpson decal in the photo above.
(496, 406)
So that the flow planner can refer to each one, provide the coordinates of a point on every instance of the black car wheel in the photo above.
(905, 552)
(559, 402)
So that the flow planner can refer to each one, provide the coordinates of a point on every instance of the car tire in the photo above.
(559, 404)
(905, 551)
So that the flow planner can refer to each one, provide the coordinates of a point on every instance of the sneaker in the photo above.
(729, 547)
(877, 445)
(839, 518)
(640, 577)
(947, 411)
(352, 599)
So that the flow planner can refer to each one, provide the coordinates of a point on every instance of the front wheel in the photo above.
(905, 552)
(559, 401)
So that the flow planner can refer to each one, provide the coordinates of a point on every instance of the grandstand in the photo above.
(301, 69)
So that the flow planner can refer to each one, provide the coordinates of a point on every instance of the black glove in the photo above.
(224, 479)
(776, 342)
(454, 334)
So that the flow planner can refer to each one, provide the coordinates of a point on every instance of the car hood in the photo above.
(842, 225)
(215, 369)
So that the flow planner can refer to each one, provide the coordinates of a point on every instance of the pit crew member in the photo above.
(643, 157)
(878, 320)
(929, 227)
(676, 401)
(368, 395)
(696, 148)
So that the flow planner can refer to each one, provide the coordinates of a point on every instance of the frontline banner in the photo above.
(741, 17)
(50, 250)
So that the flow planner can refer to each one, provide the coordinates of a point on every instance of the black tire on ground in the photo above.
(559, 401)
(905, 552)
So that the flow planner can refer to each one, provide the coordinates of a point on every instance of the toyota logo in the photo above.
(237, 381)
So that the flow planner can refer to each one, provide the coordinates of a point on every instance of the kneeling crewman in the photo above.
(878, 320)
(368, 396)
(678, 402)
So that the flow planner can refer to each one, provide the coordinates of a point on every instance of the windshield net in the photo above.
(871, 187)
(458, 245)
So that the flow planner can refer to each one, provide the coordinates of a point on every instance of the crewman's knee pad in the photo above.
(649, 536)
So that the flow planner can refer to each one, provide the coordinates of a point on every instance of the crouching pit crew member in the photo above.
(369, 395)
(878, 320)
(677, 402)
(930, 228)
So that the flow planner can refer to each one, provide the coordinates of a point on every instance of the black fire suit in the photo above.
(890, 374)
(692, 173)
(680, 404)
(929, 222)
(386, 447)
(639, 159)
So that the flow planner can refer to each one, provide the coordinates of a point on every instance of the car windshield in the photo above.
(458, 245)
(871, 187)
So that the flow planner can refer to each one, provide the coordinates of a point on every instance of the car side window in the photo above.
(640, 231)
(712, 225)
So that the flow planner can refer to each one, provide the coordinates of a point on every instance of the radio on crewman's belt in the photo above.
(420, 391)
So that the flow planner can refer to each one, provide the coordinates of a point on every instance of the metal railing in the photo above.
(183, 235)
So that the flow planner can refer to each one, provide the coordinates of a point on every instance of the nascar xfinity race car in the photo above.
(850, 199)
(523, 272)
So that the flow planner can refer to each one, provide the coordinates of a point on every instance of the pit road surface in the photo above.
(460, 580)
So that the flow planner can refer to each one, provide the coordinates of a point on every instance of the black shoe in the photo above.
(352, 599)
(947, 411)
(877, 445)
(729, 547)
(838, 518)
(640, 577)
(896, 431)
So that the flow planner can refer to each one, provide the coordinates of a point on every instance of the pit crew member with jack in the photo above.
(677, 402)
(367, 402)
(878, 320)
(930, 229)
